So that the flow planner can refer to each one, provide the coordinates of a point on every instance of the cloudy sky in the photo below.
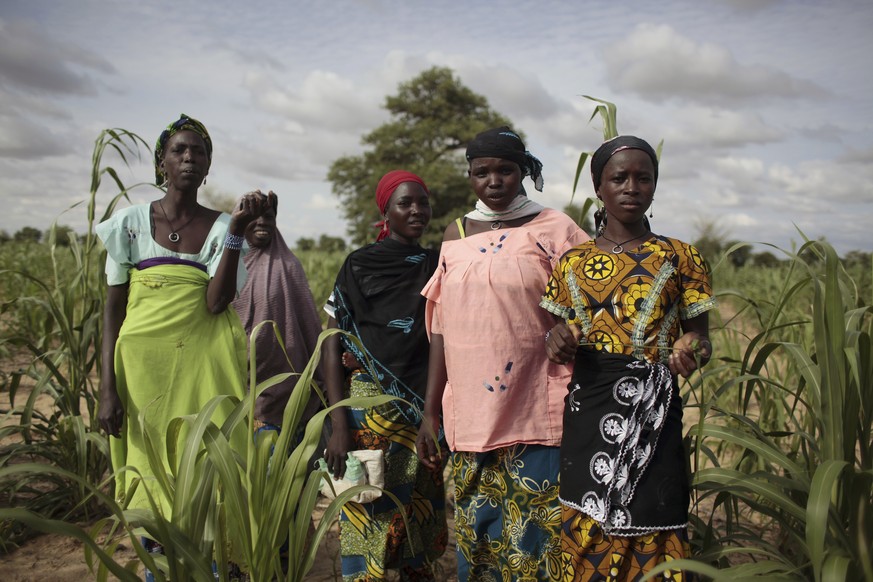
(764, 106)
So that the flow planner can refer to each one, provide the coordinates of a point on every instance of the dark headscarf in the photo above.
(613, 146)
(377, 298)
(503, 143)
(387, 185)
(184, 122)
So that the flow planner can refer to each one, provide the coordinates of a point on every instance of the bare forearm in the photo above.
(334, 373)
(114, 313)
(222, 288)
(436, 377)
(110, 412)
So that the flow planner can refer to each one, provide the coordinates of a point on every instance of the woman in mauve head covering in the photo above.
(499, 396)
(377, 299)
(169, 342)
(277, 290)
(633, 316)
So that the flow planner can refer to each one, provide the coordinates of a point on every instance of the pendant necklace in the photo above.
(174, 232)
(495, 225)
(619, 247)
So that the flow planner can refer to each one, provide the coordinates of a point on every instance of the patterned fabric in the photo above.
(373, 536)
(507, 517)
(589, 555)
(631, 303)
(623, 464)
(615, 465)
(377, 299)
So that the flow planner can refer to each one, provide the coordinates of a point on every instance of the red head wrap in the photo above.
(387, 185)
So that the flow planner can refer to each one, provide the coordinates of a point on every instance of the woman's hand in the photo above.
(688, 350)
(250, 207)
(562, 341)
(425, 444)
(338, 447)
(111, 411)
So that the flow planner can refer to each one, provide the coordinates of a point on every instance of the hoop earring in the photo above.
(651, 214)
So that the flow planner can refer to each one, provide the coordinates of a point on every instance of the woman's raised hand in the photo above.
(251, 206)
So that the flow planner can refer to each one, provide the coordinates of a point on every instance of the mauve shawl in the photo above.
(277, 290)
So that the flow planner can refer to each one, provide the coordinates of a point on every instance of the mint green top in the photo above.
(127, 236)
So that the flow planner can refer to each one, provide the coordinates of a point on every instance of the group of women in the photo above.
(539, 364)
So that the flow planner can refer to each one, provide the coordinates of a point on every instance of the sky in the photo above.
(764, 106)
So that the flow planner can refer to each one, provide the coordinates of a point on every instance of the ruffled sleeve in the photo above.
(432, 291)
(117, 234)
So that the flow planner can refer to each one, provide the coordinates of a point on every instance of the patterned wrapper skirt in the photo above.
(591, 555)
(507, 514)
(373, 536)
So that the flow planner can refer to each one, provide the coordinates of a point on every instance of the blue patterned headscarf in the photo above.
(184, 122)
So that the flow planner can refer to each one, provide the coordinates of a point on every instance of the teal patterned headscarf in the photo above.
(184, 122)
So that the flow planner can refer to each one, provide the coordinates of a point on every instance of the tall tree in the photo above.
(433, 117)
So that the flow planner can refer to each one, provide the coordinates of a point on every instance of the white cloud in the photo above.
(719, 129)
(656, 62)
(321, 202)
(23, 138)
(34, 61)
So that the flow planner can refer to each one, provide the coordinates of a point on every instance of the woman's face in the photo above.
(495, 181)
(259, 232)
(185, 162)
(408, 212)
(627, 186)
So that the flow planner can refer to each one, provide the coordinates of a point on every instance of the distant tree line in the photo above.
(29, 234)
(325, 243)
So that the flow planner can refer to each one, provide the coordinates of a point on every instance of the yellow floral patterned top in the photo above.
(632, 302)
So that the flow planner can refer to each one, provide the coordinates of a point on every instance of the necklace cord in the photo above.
(174, 232)
(619, 247)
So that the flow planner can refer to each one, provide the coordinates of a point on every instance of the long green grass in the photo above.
(783, 474)
(56, 308)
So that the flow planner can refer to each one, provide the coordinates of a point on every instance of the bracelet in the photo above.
(233, 242)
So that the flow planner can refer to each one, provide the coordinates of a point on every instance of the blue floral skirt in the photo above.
(507, 514)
